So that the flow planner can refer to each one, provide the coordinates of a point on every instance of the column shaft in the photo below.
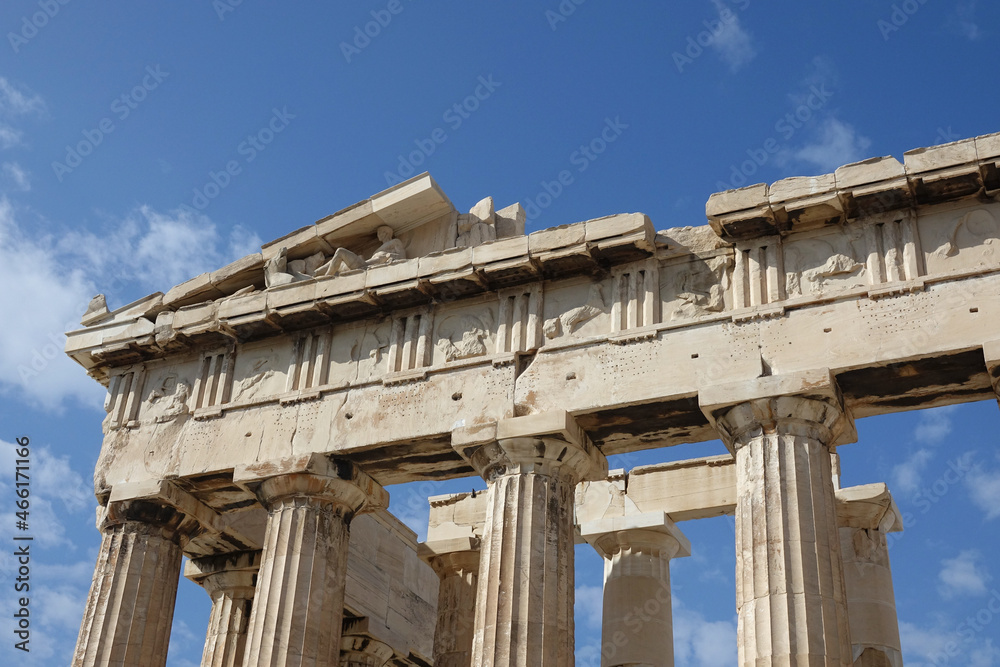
(454, 633)
(865, 515)
(790, 586)
(637, 624)
(130, 607)
(790, 594)
(299, 603)
(229, 579)
(298, 607)
(524, 610)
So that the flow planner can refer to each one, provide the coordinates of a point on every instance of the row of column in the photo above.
(791, 586)
(799, 561)
(282, 605)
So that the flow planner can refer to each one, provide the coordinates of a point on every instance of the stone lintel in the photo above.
(313, 474)
(869, 506)
(761, 399)
(597, 532)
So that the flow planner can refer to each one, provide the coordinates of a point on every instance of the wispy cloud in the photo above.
(906, 476)
(702, 643)
(964, 22)
(731, 41)
(965, 574)
(932, 429)
(59, 497)
(14, 174)
(984, 490)
(837, 143)
(52, 276)
(15, 102)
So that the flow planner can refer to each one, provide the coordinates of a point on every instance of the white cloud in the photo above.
(984, 489)
(16, 176)
(934, 425)
(58, 590)
(51, 278)
(702, 643)
(838, 144)
(964, 21)
(14, 103)
(932, 429)
(930, 646)
(731, 41)
(18, 102)
(963, 575)
(590, 607)
(906, 476)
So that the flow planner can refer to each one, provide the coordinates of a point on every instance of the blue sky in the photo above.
(142, 144)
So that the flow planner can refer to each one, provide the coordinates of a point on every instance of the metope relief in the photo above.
(588, 318)
(961, 240)
(696, 287)
(466, 335)
(822, 264)
(167, 399)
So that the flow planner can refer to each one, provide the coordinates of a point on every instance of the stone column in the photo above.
(229, 580)
(524, 601)
(865, 515)
(130, 608)
(638, 624)
(362, 651)
(299, 602)
(789, 575)
(456, 563)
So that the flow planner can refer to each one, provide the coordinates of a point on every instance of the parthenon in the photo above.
(256, 413)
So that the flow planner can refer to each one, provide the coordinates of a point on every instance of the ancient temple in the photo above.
(255, 413)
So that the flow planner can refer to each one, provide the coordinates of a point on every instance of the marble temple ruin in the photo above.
(256, 413)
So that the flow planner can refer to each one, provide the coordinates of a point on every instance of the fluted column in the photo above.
(865, 514)
(229, 580)
(524, 601)
(299, 600)
(790, 593)
(130, 608)
(637, 618)
(456, 563)
(361, 651)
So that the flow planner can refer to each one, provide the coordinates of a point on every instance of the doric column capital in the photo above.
(448, 557)
(651, 533)
(159, 507)
(363, 651)
(868, 507)
(235, 572)
(313, 478)
(807, 404)
(549, 443)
